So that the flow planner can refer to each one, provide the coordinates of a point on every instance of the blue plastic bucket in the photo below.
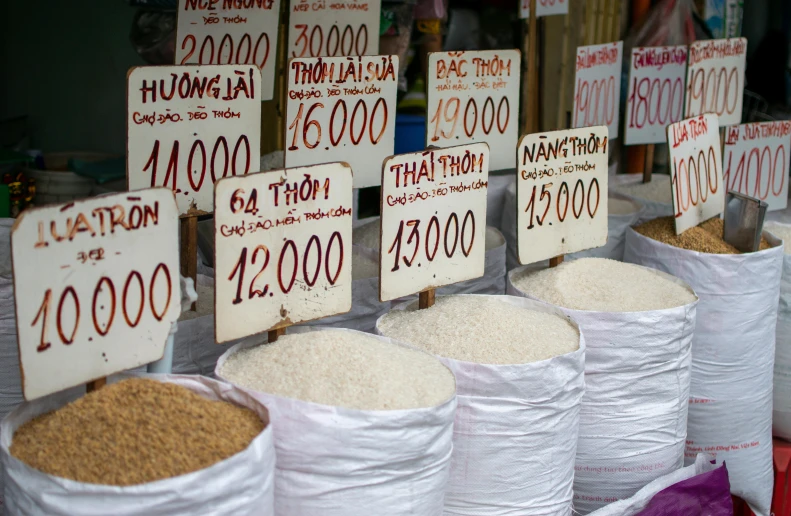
(410, 133)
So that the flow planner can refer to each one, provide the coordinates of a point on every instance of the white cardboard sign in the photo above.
(715, 79)
(433, 219)
(695, 170)
(283, 243)
(96, 287)
(333, 28)
(474, 97)
(561, 193)
(656, 93)
(342, 109)
(188, 127)
(597, 87)
(240, 32)
(756, 161)
(544, 8)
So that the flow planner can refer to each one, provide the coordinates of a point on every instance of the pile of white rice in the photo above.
(658, 190)
(620, 206)
(364, 265)
(342, 368)
(483, 330)
(603, 285)
(205, 303)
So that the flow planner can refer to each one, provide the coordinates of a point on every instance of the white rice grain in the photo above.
(658, 190)
(364, 265)
(605, 285)
(483, 330)
(342, 368)
(620, 206)
(205, 304)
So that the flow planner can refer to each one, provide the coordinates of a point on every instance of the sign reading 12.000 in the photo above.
(283, 242)
(187, 127)
(342, 109)
(433, 219)
(89, 302)
(474, 97)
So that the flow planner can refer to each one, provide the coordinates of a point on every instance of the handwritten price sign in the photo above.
(238, 32)
(342, 109)
(544, 8)
(188, 127)
(696, 170)
(597, 90)
(656, 93)
(561, 193)
(333, 28)
(283, 243)
(433, 219)
(715, 79)
(756, 161)
(474, 97)
(89, 303)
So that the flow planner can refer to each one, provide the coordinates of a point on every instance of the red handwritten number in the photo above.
(350, 42)
(713, 90)
(577, 198)
(227, 42)
(655, 104)
(447, 114)
(761, 179)
(98, 290)
(43, 313)
(360, 120)
(433, 235)
(76, 304)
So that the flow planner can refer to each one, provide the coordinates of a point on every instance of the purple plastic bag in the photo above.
(706, 494)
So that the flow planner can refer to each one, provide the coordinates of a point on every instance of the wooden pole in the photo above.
(531, 82)
(648, 168)
(189, 249)
(282, 78)
(426, 299)
(273, 335)
(96, 384)
(557, 260)
(564, 73)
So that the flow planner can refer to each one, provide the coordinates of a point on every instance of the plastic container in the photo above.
(410, 133)
(57, 183)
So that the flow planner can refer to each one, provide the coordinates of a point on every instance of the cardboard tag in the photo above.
(474, 97)
(342, 109)
(656, 93)
(597, 88)
(96, 287)
(188, 127)
(756, 161)
(238, 32)
(695, 170)
(333, 28)
(544, 8)
(715, 79)
(561, 193)
(433, 219)
(282, 247)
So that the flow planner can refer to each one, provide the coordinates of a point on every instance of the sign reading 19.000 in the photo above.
(433, 219)
(282, 248)
(89, 302)
(187, 127)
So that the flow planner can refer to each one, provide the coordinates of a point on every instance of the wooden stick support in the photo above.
(531, 81)
(426, 299)
(189, 250)
(96, 384)
(648, 168)
(273, 335)
(557, 260)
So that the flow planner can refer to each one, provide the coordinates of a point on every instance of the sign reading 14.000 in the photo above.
(89, 302)
(187, 127)
(283, 243)
(433, 219)
(342, 109)
(474, 97)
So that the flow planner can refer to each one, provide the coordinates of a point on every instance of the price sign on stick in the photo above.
(96, 287)
(756, 161)
(333, 28)
(187, 127)
(283, 243)
(433, 219)
(474, 97)
(544, 8)
(597, 89)
(656, 93)
(342, 109)
(715, 79)
(239, 32)
(695, 170)
(561, 193)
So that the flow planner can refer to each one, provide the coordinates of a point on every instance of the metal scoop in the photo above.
(744, 221)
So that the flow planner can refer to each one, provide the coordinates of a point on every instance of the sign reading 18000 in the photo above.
(342, 109)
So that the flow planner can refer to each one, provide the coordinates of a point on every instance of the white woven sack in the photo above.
(781, 418)
(240, 485)
(730, 405)
(495, 196)
(634, 505)
(633, 417)
(651, 209)
(515, 434)
(194, 348)
(335, 461)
